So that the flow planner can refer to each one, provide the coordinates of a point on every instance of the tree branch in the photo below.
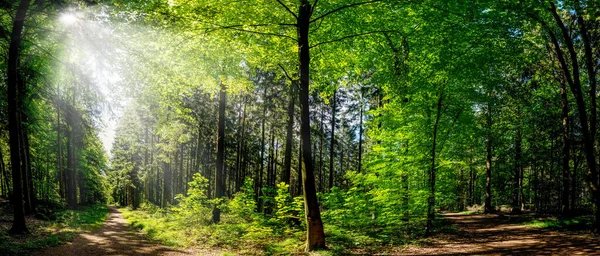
(288, 9)
(351, 36)
(342, 8)
(236, 28)
(286, 73)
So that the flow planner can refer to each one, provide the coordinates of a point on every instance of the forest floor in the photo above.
(493, 234)
(116, 237)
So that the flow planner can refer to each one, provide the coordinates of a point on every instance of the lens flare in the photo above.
(68, 18)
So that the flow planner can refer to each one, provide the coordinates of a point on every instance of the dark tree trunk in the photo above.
(4, 179)
(360, 134)
(14, 108)
(488, 163)
(220, 171)
(576, 89)
(332, 143)
(315, 232)
(259, 176)
(518, 172)
(166, 193)
(299, 181)
(71, 184)
(321, 145)
(566, 150)
(431, 199)
(289, 138)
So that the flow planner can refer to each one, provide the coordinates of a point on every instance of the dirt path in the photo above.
(500, 235)
(114, 238)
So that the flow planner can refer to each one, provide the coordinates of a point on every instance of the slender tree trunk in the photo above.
(517, 186)
(488, 163)
(4, 180)
(566, 150)
(259, 186)
(360, 134)
(28, 191)
(315, 233)
(220, 171)
(299, 181)
(321, 145)
(431, 199)
(289, 138)
(14, 108)
(332, 144)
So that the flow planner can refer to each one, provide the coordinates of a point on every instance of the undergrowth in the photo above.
(49, 233)
(574, 223)
(244, 231)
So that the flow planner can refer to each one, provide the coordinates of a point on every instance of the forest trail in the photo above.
(494, 234)
(114, 238)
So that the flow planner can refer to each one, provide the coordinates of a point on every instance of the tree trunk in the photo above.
(488, 163)
(259, 176)
(289, 138)
(516, 204)
(360, 134)
(566, 150)
(220, 171)
(14, 108)
(431, 199)
(315, 233)
(332, 143)
(576, 89)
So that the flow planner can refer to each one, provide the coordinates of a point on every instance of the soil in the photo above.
(493, 234)
(114, 238)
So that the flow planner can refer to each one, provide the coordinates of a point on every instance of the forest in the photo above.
(280, 127)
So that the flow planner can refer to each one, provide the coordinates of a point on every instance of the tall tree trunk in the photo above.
(71, 184)
(166, 193)
(574, 82)
(518, 171)
(431, 199)
(28, 192)
(14, 108)
(566, 150)
(332, 144)
(488, 162)
(220, 171)
(4, 180)
(289, 138)
(321, 145)
(259, 176)
(315, 233)
(360, 134)
(299, 180)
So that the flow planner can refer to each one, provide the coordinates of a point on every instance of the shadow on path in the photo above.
(114, 238)
(503, 235)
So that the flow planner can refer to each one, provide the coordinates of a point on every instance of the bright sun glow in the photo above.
(68, 18)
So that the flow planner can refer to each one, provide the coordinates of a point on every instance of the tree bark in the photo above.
(488, 162)
(518, 172)
(431, 199)
(289, 138)
(315, 233)
(332, 143)
(566, 150)
(220, 171)
(14, 108)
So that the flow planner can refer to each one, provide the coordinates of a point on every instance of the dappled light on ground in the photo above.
(505, 235)
(115, 238)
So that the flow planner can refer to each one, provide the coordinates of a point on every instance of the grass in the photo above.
(576, 223)
(265, 237)
(45, 234)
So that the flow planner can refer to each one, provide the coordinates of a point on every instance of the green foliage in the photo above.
(64, 228)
